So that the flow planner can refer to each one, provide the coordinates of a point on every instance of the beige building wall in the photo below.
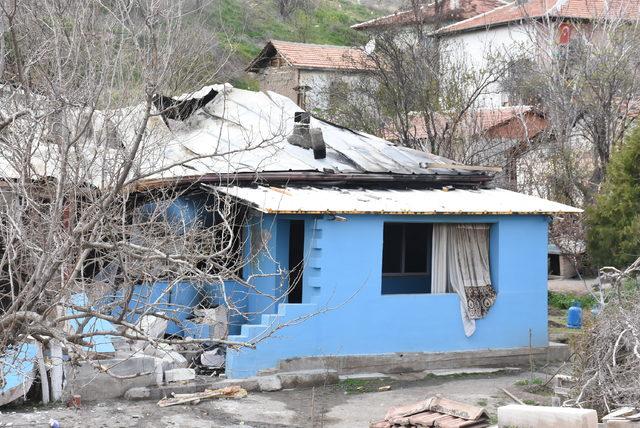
(282, 80)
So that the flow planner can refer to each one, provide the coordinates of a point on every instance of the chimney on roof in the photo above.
(306, 137)
(317, 144)
(301, 136)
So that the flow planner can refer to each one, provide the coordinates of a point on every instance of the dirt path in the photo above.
(349, 404)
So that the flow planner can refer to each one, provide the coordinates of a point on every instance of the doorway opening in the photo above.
(296, 260)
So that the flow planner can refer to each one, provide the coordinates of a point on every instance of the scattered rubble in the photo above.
(434, 412)
(179, 375)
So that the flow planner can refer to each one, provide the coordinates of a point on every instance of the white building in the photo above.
(533, 28)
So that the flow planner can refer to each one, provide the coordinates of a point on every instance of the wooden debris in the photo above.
(226, 392)
(513, 397)
(435, 412)
(631, 414)
(562, 385)
(384, 388)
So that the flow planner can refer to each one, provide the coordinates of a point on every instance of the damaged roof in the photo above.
(241, 131)
(223, 133)
(314, 200)
(312, 56)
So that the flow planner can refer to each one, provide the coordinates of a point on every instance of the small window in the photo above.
(406, 258)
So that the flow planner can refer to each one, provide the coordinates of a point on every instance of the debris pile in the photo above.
(227, 392)
(625, 416)
(435, 412)
(607, 372)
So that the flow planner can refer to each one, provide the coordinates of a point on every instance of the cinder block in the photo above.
(519, 416)
(85, 380)
(269, 383)
(179, 375)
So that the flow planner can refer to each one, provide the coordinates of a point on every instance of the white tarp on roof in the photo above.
(238, 131)
(312, 200)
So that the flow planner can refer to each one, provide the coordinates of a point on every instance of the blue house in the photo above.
(355, 247)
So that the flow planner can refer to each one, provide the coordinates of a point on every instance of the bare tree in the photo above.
(419, 92)
(80, 235)
(587, 87)
(286, 8)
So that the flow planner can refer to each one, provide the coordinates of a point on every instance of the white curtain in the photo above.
(439, 259)
(461, 256)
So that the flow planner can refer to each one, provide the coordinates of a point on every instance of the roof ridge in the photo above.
(273, 41)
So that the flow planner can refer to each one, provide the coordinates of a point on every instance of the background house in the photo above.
(307, 73)
(527, 27)
(494, 136)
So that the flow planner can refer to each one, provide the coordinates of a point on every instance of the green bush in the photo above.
(564, 300)
(613, 235)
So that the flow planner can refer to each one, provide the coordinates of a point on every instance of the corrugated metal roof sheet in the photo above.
(312, 200)
(246, 131)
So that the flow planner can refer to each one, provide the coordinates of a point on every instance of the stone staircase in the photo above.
(288, 313)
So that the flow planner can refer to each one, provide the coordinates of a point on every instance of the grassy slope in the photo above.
(246, 25)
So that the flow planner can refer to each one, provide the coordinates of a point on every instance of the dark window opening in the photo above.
(406, 258)
(554, 264)
(296, 260)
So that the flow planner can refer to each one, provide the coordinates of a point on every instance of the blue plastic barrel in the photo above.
(574, 315)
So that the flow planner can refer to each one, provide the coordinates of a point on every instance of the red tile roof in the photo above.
(494, 123)
(535, 9)
(427, 13)
(306, 55)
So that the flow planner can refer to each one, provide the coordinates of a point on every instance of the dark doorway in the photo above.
(296, 260)
(554, 264)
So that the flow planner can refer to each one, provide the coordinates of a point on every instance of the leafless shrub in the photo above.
(79, 129)
(608, 352)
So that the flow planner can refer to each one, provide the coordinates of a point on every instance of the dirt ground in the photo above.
(352, 403)
(573, 286)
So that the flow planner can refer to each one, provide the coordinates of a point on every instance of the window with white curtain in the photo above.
(441, 258)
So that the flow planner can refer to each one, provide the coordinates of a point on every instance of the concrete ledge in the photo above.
(92, 385)
(159, 392)
(301, 379)
(515, 415)
(421, 361)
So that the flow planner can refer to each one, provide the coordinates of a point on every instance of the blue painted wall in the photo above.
(342, 287)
